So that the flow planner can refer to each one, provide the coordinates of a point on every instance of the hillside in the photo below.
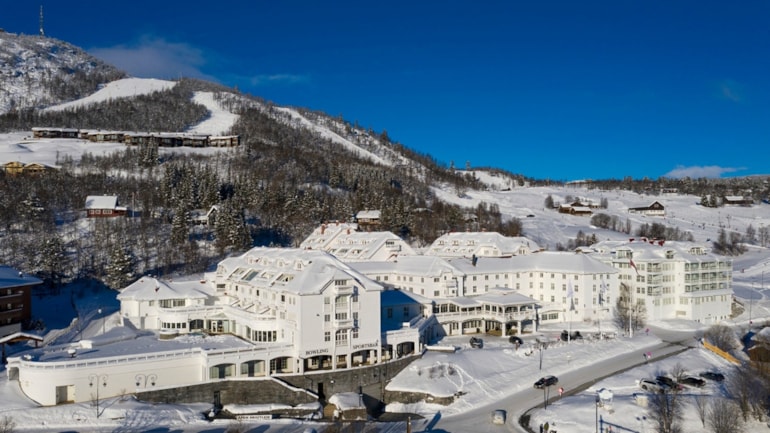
(37, 72)
(294, 169)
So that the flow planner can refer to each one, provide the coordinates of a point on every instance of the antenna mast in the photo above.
(42, 33)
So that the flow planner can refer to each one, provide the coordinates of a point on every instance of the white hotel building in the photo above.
(292, 311)
(673, 280)
(510, 293)
(277, 311)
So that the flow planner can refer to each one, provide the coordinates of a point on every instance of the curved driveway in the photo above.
(519, 403)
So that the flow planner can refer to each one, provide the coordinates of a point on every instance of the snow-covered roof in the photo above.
(326, 233)
(291, 269)
(466, 244)
(650, 249)
(150, 288)
(358, 246)
(546, 261)
(11, 277)
(503, 296)
(429, 266)
(101, 202)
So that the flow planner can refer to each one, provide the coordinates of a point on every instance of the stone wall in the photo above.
(233, 391)
(287, 389)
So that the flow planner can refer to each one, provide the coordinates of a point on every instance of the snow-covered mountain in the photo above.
(38, 71)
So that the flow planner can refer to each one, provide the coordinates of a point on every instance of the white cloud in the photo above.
(700, 171)
(155, 58)
(259, 80)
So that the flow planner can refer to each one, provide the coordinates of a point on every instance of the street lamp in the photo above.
(93, 381)
(751, 302)
(596, 412)
(142, 379)
(100, 315)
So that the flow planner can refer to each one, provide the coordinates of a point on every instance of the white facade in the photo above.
(545, 277)
(428, 276)
(292, 311)
(569, 286)
(674, 280)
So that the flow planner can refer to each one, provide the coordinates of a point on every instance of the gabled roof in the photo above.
(364, 245)
(498, 296)
(465, 244)
(368, 214)
(650, 249)
(292, 270)
(101, 202)
(150, 289)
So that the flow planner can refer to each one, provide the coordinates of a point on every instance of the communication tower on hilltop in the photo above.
(42, 32)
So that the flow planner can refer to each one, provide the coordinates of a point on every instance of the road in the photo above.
(519, 403)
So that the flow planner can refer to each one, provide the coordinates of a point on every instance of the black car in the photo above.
(546, 381)
(712, 375)
(665, 380)
(693, 381)
(477, 343)
(668, 382)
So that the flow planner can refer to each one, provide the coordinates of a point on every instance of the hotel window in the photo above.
(327, 336)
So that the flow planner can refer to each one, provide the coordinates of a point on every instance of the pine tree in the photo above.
(51, 262)
(180, 226)
(121, 269)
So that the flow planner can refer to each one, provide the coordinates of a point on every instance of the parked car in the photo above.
(651, 385)
(692, 381)
(667, 381)
(575, 335)
(498, 417)
(546, 381)
(713, 375)
(477, 343)
(515, 340)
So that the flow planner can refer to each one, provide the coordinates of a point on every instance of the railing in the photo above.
(343, 290)
(70, 362)
(343, 323)
(484, 315)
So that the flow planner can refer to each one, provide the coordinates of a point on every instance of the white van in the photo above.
(498, 417)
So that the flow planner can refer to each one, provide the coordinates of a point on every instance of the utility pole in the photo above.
(42, 32)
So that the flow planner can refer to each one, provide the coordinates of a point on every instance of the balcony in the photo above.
(342, 323)
(343, 290)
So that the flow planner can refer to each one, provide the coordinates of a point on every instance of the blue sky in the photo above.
(563, 90)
